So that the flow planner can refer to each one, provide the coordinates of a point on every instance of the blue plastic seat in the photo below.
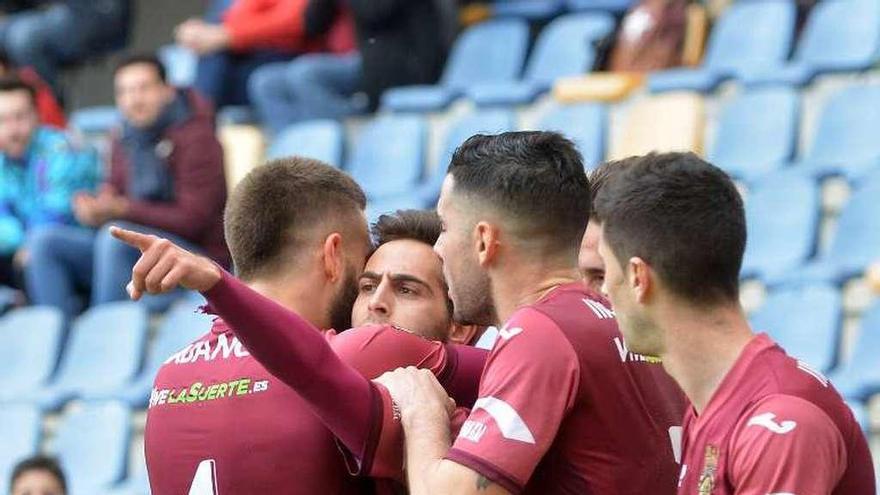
(566, 47)
(20, 431)
(493, 51)
(853, 247)
(180, 64)
(845, 141)
(757, 132)
(318, 139)
(389, 154)
(585, 124)
(95, 120)
(104, 352)
(613, 6)
(33, 338)
(840, 36)
(860, 413)
(859, 376)
(749, 35)
(782, 217)
(92, 446)
(805, 321)
(182, 325)
(535, 10)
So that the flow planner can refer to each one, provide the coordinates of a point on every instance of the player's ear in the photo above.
(333, 260)
(464, 334)
(487, 242)
(640, 278)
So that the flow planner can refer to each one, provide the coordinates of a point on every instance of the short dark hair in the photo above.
(38, 463)
(275, 202)
(684, 217)
(142, 58)
(535, 178)
(9, 84)
(600, 176)
(417, 225)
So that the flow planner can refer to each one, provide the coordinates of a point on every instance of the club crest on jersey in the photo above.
(710, 468)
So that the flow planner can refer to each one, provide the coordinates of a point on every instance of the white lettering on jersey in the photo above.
(202, 350)
(509, 333)
(599, 309)
(472, 430)
(682, 474)
(675, 434)
(509, 422)
(632, 356)
(815, 374)
(766, 420)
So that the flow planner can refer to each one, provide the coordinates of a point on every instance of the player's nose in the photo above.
(379, 304)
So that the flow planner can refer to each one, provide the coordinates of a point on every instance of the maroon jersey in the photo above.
(219, 423)
(564, 408)
(774, 426)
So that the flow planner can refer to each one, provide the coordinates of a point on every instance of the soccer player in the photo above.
(761, 422)
(563, 406)
(219, 419)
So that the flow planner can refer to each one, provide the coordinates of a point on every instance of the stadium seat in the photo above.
(666, 122)
(493, 51)
(534, 10)
(749, 35)
(20, 431)
(180, 64)
(597, 86)
(782, 215)
(95, 120)
(840, 36)
(318, 139)
(388, 155)
(181, 326)
(426, 193)
(853, 247)
(566, 47)
(243, 147)
(92, 446)
(752, 141)
(103, 353)
(33, 338)
(860, 412)
(805, 321)
(859, 376)
(585, 124)
(613, 6)
(845, 139)
(236, 115)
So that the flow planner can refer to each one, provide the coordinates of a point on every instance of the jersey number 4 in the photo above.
(205, 480)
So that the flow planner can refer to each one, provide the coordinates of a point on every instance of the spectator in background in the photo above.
(166, 177)
(45, 35)
(239, 36)
(48, 108)
(41, 170)
(651, 36)
(400, 42)
(38, 475)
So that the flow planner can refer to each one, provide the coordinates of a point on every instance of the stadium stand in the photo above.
(750, 141)
(840, 36)
(533, 10)
(748, 35)
(388, 156)
(34, 336)
(319, 139)
(494, 51)
(667, 122)
(858, 377)
(95, 120)
(21, 429)
(782, 216)
(614, 6)
(805, 321)
(586, 124)
(180, 64)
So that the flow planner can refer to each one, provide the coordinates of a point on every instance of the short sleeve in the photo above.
(528, 387)
(785, 444)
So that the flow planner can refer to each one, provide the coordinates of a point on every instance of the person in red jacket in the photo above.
(238, 36)
(48, 108)
(166, 176)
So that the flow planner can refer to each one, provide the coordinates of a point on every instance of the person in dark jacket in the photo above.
(166, 177)
(400, 42)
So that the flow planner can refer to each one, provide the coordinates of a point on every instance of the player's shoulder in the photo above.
(532, 338)
(375, 349)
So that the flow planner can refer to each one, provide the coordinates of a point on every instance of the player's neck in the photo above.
(526, 284)
(296, 295)
(701, 348)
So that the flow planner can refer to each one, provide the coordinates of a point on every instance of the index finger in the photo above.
(132, 238)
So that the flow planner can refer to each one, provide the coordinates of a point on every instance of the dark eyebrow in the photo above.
(398, 278)
(371, 275)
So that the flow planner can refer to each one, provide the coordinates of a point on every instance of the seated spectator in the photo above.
(166, 177)
(400, 42)
(240, 35)
(41, 169)
(38, 475)
(48, 108)
(651, 36)
(46, 34)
